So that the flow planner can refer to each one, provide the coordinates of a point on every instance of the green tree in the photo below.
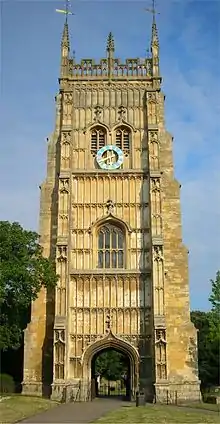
(214, 316)
(208, 324)
(207, 360)
(111, 365)
(23, 272)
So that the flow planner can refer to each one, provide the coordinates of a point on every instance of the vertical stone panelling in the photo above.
(154, 151)
(116, 296)
(61, 284)
(67, 109)
(156, 212)
(65, 150)
(158, 270)
(120, 293)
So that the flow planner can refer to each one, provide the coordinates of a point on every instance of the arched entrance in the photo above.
(111, 343)
(111, 374)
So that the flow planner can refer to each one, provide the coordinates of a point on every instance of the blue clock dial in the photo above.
(110, 157)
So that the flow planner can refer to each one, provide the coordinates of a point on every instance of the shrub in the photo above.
(7, 384)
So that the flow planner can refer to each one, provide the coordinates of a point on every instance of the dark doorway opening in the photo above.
(111, 374)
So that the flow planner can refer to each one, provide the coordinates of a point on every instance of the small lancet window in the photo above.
(111, 244)
(122, 139)
(98, 139)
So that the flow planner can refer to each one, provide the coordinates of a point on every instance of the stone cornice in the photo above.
(115, 273)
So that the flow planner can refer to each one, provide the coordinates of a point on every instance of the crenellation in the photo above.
(132, 69)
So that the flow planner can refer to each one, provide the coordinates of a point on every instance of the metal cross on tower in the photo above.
(153, 10)
(67, 10)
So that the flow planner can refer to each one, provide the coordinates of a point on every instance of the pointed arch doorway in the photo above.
(131, 364)
(111, 374)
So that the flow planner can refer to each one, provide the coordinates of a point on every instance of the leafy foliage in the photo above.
(7, 384)
(214, 317)
(208, 324)
(23, 272)
(111, 365)
(205, 349)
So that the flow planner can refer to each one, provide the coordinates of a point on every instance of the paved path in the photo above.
(80, 412)
(87, 412)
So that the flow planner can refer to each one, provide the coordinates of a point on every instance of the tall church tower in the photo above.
(110, 216)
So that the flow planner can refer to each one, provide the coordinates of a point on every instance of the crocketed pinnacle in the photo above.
(110, 43)
(65, 36)
(154, 36)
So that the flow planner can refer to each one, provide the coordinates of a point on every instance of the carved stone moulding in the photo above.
(66, 127)
(64, 175)
(122, 273)
(153, 135)
(102, 205)
(82, 84)
(152, 96)
(62, 252)
(66, 136)
(104, 310)
(137, 174)
(59, 322)
(157, 241)
(153, 127)
(159, 322)
(62, 241)
(156, 174)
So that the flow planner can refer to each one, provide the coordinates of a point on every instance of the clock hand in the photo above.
(107, 158)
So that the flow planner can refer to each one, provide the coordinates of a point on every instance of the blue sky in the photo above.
(189, 34)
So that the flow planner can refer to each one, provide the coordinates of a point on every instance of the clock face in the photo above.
(109, 157)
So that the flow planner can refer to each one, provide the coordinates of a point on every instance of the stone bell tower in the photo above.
(110, 217)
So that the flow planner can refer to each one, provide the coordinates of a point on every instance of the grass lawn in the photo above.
(16, 407)
(207, 406)
(158, 414)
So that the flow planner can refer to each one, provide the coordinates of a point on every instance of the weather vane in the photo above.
(67, 10)
(153, 10)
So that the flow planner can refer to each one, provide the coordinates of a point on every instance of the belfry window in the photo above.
(122, 138)
(111, 244)
(98, 139)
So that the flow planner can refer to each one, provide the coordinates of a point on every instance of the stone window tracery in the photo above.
(123, 138)
(111, 244)
(98, 139)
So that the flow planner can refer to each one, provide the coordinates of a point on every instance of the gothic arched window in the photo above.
(111, 245)
(123, 138)
(98, 139)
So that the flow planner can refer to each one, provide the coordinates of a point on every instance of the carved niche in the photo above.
(158, 280)
(61, 284)
(59, 354)
(63, 195)
(65, 149)
(152, 108)
(161, 355)
(156, 216)
(98, 110)
(153, 150)
(58, 100)
(63, 206)
(67, 108)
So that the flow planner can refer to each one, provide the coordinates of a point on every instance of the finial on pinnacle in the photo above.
(110, 43)
(154, 37)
